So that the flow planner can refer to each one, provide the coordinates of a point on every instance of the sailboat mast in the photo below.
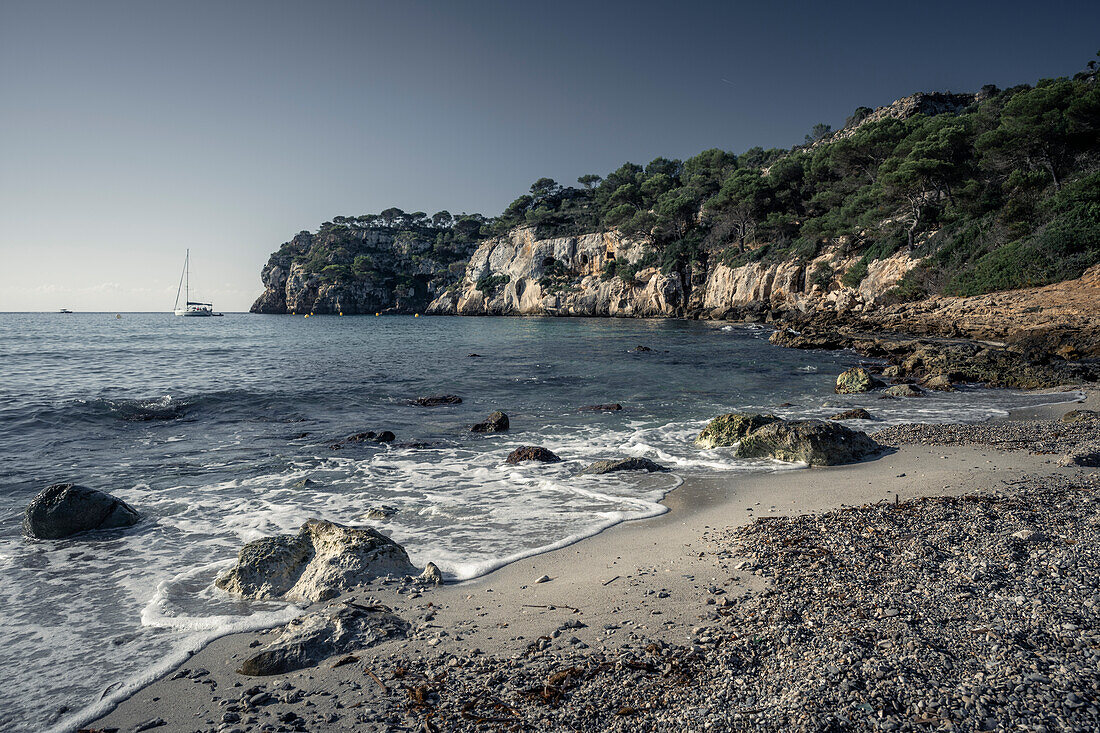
(187, 278)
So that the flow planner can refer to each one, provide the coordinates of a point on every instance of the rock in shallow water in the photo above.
(312, 638)
(532, 453)
(857, 379)
(318, 563)
(623, 464)
(436, 400)
(62, 510)
(903, 390)
(815, 442)
(730, 428)
(608, 407)
(497, 422)
(855, 414)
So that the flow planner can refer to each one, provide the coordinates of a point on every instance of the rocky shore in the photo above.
(947, 585)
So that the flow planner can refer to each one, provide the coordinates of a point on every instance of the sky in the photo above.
(131, 131)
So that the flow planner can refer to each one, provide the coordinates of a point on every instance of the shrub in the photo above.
(489, 283)
(855, 274)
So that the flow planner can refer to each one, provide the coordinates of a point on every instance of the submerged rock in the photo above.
(609, 407)
(624, 464)
(532, 453)
(815, 442)
(318, 563)
(337, 629)
(380, 512)
(730, 428)
(366, 437)
(857, 413)
(903, 390)
(497, 422)
(436, 400)
(62, 510)
(1080, 416)
(855, 380)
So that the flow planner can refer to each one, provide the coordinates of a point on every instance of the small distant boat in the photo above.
(64, 310)
(190, 308)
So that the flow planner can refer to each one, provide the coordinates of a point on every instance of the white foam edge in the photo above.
(214, 626)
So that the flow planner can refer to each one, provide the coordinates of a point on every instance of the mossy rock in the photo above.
(814, 442)
(730, 428)
(856, 380)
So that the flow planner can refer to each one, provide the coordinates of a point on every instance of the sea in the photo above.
(219, 431)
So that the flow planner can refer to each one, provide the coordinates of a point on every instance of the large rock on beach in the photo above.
(856, 380)
(532, 453)
(337, 629)
(815, 442)
(730, 428)
(321, 561)
(624, 464)
(62, 510)
(497, 422)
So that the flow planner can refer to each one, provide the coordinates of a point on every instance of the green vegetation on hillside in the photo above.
(1000, 193)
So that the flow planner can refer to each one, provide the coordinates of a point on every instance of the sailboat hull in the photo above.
(194, 313)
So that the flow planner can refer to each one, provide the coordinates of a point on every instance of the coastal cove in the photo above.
(213, 469)
(660, 590)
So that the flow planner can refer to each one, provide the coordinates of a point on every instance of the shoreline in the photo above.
(599, 575)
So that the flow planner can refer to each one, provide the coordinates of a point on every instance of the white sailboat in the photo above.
(190, 308)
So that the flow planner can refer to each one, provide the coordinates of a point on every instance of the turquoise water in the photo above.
(210, 426)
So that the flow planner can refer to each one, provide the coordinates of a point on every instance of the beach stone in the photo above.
(532, 453)
(1085, 454)
(432, 575)
(940, 383)
(337, 629)
(857, 413)
(436, 400)
(321, 561)
(855, 380)
(730, 428)
(903, 390)
(623, 464)
(1080, 416)
(815, 442)
(497, 422)
(62, 510)
(609, 407)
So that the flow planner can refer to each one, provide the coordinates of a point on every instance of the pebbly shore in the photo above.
(948, 585)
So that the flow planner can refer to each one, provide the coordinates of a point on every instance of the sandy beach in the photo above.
(660, 587)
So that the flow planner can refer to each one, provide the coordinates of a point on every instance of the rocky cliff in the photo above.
(518, 274)
(358, 270)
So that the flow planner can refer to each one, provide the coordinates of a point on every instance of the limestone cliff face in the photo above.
(356, 271)
(519, 274)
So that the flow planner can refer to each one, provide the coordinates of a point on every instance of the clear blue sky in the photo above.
(132, 130)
